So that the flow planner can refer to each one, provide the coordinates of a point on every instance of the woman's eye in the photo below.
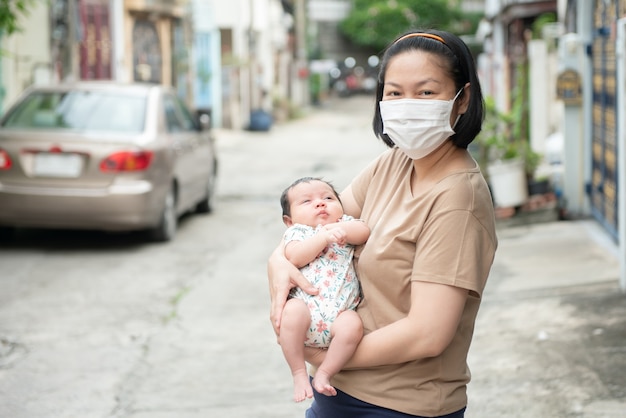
(392, 94)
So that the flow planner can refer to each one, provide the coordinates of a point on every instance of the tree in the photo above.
(10, 13)
(374, 23)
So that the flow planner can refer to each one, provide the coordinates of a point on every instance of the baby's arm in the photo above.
(356, 232)
(301, 253)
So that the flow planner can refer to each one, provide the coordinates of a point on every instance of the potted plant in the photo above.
(503, 157)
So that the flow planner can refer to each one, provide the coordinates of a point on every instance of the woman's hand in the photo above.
(283, 276)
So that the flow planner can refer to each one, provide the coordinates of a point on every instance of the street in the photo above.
(106, 325)
(109, 326)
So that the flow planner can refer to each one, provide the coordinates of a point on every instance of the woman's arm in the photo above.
(283, 276)
(432, 322)
(427, 331)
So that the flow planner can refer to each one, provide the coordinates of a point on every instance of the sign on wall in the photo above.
(569, 87)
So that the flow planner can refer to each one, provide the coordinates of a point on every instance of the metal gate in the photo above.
(603, 187)
(95, 40)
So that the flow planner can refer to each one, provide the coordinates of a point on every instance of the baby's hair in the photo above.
(284, 199)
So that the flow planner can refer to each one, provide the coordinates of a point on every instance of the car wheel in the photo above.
(166, 229)
(206, 204)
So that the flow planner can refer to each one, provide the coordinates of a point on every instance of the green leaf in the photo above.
(11, 11)
(374, 23)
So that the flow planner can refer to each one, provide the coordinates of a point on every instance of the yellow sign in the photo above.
(569, 87)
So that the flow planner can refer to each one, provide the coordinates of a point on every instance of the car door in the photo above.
(201, 159)
(184, 142)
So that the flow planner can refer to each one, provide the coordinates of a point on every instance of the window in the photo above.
(80, 110)
(177, 116)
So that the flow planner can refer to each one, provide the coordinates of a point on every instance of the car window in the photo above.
(80, 110)
(177, 115)
(188, 120)
(174, 124)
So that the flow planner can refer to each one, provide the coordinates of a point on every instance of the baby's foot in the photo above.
(301, 387)
(321, 383)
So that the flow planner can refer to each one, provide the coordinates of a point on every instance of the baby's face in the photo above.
(313, 203)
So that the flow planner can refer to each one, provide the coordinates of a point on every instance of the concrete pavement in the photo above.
(107, 326)
(550, 339)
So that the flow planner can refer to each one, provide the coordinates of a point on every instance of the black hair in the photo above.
(460, 65)
(284, 198)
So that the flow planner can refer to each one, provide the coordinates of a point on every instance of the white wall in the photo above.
(259, 33)
(544, 110)
(26, 55)
(118, 39)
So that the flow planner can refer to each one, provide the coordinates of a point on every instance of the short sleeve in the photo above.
(361, 182)
(453, 249)
(297, 232)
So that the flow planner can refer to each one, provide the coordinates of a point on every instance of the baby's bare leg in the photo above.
(346, 332)
(296, 320)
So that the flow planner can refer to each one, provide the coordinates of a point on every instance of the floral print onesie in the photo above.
(332, 272)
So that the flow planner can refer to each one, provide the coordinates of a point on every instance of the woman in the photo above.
(432, 242)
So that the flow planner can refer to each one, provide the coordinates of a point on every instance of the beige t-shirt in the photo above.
(447, 236)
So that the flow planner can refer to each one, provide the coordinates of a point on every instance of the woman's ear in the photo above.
(465, 99)
(287, 220)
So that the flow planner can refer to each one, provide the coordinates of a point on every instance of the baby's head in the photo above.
(310, 201)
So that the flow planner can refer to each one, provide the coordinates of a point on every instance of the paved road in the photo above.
(550, 338)
(99, 325)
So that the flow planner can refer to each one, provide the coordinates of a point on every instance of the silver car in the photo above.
(104, 156)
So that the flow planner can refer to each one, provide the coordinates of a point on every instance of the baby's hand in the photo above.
(335, 234)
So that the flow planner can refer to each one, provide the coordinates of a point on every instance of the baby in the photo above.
(320, 240)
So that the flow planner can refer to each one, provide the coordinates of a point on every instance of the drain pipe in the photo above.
(620, 55)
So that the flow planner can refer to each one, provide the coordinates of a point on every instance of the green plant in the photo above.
(500, 139)
(11, 11)
(495, 141)
(373, 23)
(541, 21)
(505, 135)
(315, 87)
(532, 159)
(284, 109)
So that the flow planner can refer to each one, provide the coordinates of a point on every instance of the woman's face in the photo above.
(417, 75)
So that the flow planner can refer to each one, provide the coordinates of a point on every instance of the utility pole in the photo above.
(252, 51)
(72, 40)
(301, 54)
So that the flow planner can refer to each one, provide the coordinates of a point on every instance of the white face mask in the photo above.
(417, 126)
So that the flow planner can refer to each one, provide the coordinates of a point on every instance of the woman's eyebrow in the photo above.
(418, 83)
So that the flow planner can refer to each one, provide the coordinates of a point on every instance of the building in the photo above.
(597, 52)
(223, 58)
(259, 58)
(578, 91)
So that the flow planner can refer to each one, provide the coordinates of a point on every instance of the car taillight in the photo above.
(126, 161)
(5, 160)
